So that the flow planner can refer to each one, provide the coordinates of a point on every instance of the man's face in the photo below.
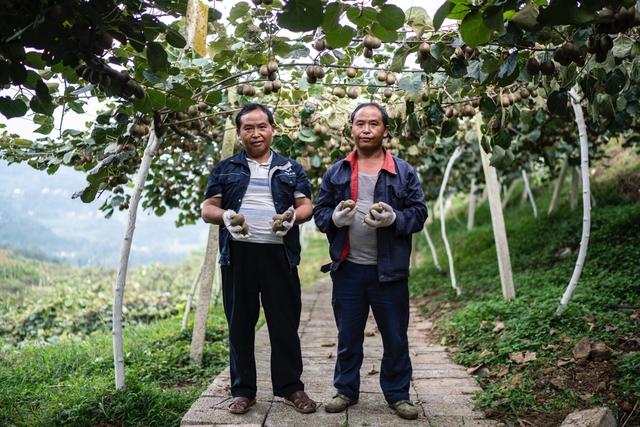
(256, 133)
(368, 129)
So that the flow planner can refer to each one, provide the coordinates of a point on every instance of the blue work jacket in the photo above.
(231, 176)
(398, 186)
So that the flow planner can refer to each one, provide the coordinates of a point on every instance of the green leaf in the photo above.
(383, 33)
(418, 19)
(181, 90)
(557, 103)
(12, 107)
(40, 106)
(493, 20)
(399, 58)
(175, 39)
(238, 11)
(457, 68)
(45, 122)
(157, 57)
(213, 98)
(42, 91)
(564, 13)
(442, 12)
(487, 106)
(88, 194)
(340, 37)
(391, 17)
(34, 60)
(301, 15)
(473, 30)
(615, 82)
(307, 135)
(449, 128)
(331, 17)
(508, 66)
(438, 50)
(622, 47)
(361, 17)
(527, 17)
(411, 83)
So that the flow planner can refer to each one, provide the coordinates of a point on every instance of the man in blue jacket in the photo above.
(370, 245)
(258, 259)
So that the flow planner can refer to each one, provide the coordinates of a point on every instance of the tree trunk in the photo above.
(556, 191)
(575, 96)
(471, 211)
(509, 193)
(575, 188)
(209, 265)
(497, 221)
(443, 227)
(192, 292)
(527, 191)
(204, 297)
(434, 254)
(484, 197)
(121, 279)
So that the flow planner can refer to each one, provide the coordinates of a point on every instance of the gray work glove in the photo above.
(236, 224)
(380, 215)
(344, 213)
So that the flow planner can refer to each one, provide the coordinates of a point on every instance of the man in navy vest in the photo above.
(258, 262)
(369, 205)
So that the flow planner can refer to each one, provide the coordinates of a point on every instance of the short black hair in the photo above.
(251, 107)
(385, 116)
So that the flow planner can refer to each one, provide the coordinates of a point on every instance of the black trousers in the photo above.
(262, 272)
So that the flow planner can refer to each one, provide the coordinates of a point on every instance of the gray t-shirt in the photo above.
(363, 240)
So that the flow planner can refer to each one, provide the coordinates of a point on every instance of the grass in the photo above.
(611, 278)
(56, 363)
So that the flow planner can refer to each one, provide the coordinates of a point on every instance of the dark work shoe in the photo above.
(338, 403)
(405, 409)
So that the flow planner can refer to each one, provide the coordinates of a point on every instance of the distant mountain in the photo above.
(36, 211)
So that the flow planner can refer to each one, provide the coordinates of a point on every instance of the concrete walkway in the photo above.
(442, 389)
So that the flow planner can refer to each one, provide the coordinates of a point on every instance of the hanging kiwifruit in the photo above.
(424, 49)
(605, 43)
(277, 85)
(318, 71)
(387, 93)
(264, 70)
(371, 42)
(353, 92)
(533, 66)
(268, 87)
(368, 53)
(468, 110)
(319, 44)
(339, 92)
(272, 66)
(351, 72)
(547, 68)
(524, 92)
(391, 78)
(475, 102)
(381, 76)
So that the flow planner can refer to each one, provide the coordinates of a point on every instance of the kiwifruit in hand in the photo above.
(245, 229)
(371, 42)
(376, 207)
(287, 216)
(277, 225)
(237, 219)
(348, 204)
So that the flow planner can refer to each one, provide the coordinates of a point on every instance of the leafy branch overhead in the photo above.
(512, 61)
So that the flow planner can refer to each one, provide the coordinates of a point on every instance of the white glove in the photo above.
(280, 225)
(381, 219)
(343, 215)
(239, 231)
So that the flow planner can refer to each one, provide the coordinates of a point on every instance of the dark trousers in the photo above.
(355, 289)
(261, 271)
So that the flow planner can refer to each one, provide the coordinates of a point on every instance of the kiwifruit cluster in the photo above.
(599, 45)
(246, 90)
(568, 53)
(183, 119)
(321, 130)
(314, 72)
(278, 220)
(618, 21)
(465, 110)
(104, 77)
(140, 127)
(118, 180)
(547, 67)
(386, 77)
(269, 70)
(370, 44)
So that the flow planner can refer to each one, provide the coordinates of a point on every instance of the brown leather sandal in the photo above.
(241, 404)
(301, 402)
